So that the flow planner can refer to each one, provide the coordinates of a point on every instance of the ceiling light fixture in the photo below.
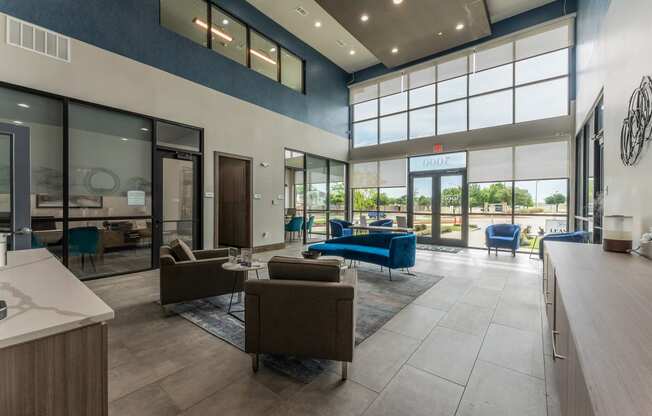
(225, 22)
(124, 139)
(398, 1)
(23, 105)
(144, 129)
(351, 52)
(317, 23)
(262, 56)
(459, 26)
(18, 122)
(272, 49)
(394, 50)
(203, 24)
(364, 17)
(440, 34)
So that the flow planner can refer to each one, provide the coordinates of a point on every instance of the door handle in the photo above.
(555, 356)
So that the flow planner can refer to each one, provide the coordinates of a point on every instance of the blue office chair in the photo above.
(388, 222)
(294, 226)
(505, 236)
(84, 241)
(309, 224)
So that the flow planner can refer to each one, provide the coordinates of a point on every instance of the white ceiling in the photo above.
(502, 9)
(325, 39)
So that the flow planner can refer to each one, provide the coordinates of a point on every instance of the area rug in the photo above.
(441, 249)
(378, 300)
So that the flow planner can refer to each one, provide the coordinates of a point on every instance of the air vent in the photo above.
(37, 39)
(301, 11)
(341, 44)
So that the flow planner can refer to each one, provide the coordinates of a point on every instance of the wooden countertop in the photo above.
(44, 298)
(608, 300)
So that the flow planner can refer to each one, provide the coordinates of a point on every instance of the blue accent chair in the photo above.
(574, 237)
(294, 226)
(340, 228)
(391, 250)
(505, 236)
(309, 224)
(84, 241)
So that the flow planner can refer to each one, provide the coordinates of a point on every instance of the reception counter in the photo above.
(53, 342)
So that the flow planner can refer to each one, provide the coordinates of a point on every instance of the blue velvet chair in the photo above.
(574, 237)
(391, 250)
(83, 241)
(340, 228)
(505, 236)
(388, 222)
(294, 226)
(309, 224)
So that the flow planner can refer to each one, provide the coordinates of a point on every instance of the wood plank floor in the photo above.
(472, 345)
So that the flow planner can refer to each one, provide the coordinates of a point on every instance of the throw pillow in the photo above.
(181, 251)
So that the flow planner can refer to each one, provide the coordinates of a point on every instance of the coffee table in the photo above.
(244, 270)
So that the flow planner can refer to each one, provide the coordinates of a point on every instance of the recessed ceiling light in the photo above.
(459, 26)
(394, 50)
(440, 33)
(272, 50)
(18, 122)
(317, 23)
(124, 139)
(225, 21)
(351, 52)
(398, 1)
(23, 105)
(144, 129)
(364, 17)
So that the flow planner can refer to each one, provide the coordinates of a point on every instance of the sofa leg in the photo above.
(390, 274)
(345, 370)
(254, 362)
(489, 250)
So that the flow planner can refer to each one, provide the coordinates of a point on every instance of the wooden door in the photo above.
(234, 204)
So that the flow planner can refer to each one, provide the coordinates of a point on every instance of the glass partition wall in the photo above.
(93, 187)
(315, 193)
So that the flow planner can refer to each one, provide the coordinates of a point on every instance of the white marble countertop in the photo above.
(44, 298)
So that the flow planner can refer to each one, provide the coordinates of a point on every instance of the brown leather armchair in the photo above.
(189, 280)
(306, 309)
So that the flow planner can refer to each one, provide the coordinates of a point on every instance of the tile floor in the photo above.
(472, 345)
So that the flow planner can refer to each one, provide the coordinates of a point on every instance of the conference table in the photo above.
(376, 228)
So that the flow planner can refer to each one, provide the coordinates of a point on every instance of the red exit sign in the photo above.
(438, 148)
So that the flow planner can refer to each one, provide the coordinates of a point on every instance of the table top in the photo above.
(379, 228)
(235, 267)
(607, 297)
(44, 299)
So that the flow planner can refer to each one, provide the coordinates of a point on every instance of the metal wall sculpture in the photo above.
(637, 126)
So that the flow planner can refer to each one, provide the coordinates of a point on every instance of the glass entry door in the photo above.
(14, 183)
(438, 206)
(177, 213)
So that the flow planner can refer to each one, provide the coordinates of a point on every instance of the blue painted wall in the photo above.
(131, 28)
(502, 28)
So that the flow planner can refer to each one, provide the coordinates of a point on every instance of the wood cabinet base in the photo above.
(64, 374)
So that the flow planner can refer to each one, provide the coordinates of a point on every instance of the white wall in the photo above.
(231, 125)
(614, 52)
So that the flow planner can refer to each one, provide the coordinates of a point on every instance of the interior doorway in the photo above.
(14, 183)
(233, 206)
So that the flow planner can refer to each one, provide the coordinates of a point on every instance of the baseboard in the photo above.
(269, 247)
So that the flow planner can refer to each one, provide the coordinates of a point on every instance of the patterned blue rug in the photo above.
(378, 300)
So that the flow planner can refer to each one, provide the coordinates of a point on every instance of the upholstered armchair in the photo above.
(184, 280)
(305, 309)
(574, 237)
(340, 228)
(504, 236)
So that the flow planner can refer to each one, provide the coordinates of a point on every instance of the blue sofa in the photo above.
(340, 228)
(391, 250)
(574, 237)
(505, 236)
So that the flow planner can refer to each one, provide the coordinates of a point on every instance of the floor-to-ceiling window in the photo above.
(379, 191)
(525, 185)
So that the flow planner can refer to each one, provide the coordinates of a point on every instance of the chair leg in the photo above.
(390, 274)
(90, 257)
(345, 370)
(82, 260)
(254, 362)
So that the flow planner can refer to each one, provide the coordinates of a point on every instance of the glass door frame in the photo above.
(435, 237)
(160, 153)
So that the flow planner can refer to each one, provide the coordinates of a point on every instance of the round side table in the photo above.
(240, 269)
